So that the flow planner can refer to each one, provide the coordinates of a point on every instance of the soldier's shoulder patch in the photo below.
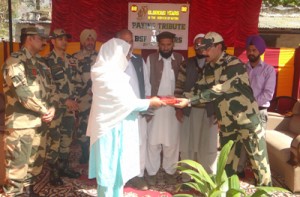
(16, 54)
(15, 58)
(69, 56)
(232, 60)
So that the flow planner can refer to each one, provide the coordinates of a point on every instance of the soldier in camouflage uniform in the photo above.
(27, 89)
(63, 70)
(225, 81)
(86, 57)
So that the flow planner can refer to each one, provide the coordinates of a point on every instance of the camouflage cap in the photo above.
(59, 33)
(35, 30)
(209, 39)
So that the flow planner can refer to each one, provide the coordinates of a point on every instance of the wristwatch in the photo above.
(189, 103)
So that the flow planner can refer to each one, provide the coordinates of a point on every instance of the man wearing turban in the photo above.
(262, 79)
(86, 58)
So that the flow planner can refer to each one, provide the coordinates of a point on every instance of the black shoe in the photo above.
(70, 173)
(83, 159)
(84, 153)
(29, 192)
(55, 179)
(33, 194)
(241, 175)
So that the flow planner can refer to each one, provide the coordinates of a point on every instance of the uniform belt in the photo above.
(262, 108)
(197, 106)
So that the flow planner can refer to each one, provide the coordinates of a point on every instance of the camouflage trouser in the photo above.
(66, 132)
(54, 137)
(81, 131)
(84, 108)
(38, 154)
(255, 146)
(60, 136)
(18, 146)
(263, 114)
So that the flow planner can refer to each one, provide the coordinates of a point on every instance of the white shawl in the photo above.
(113, 97)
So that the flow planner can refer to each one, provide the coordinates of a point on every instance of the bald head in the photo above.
(127, 36)
(123, 32)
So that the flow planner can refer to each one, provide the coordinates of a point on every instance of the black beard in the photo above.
(201, 56)
(253, 58)
(166, 55)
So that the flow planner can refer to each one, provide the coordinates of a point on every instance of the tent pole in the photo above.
(10, 26)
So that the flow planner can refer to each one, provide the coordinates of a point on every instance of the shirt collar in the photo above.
(132, 56)
(29, 55)
(222, 56)
(219, 61)
(260, 63)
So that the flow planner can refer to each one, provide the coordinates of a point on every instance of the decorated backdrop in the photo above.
(234, 19)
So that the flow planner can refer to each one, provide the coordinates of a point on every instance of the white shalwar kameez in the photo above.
(199, 139)
(164, 128)
(142, 123)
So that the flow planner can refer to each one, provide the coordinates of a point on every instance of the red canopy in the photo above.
(233, 19)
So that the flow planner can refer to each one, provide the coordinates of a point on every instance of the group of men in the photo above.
(226, 98)
(235, 113)
(44, 96)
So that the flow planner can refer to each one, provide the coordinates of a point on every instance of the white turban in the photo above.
(198, 36)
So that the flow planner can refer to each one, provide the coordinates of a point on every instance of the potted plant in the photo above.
(219, 184)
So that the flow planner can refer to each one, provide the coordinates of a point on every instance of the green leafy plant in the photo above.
(281, 2)
(219, 184)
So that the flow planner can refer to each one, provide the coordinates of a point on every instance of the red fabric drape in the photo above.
(233, 19)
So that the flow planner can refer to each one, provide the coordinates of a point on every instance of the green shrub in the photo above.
(218, 184)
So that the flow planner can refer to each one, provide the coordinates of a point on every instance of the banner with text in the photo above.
(146, 20)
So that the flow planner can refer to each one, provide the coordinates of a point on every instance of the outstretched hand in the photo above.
(183, 102)
(156, 102)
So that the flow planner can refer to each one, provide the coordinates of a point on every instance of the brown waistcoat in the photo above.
(156, 69)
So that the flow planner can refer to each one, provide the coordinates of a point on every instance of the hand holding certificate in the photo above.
(169, 100)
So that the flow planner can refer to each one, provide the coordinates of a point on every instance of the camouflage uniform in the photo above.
(85, 61)
(226, 82)
(27, 89)
(62, 126)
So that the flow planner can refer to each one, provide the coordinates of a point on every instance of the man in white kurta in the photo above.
(163, 133)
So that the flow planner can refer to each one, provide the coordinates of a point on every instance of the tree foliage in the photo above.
(281, 2)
